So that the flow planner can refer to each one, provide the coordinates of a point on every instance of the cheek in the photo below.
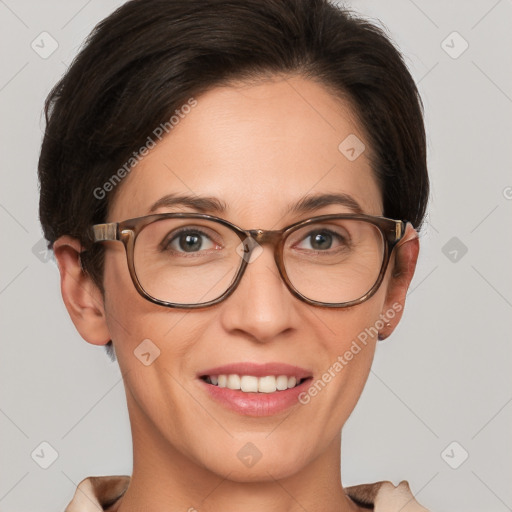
(357, 324)
(143, 332)
(350, 348)
(151, 344)
(122, 305)
(131, 318)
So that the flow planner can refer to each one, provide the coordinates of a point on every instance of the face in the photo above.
(258, 148)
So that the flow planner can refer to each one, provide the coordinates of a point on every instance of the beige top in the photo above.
(105, 492)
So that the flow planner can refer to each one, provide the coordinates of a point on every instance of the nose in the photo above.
(261, 306)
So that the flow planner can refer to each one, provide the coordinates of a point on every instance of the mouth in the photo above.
(253, 384)
(255, 389)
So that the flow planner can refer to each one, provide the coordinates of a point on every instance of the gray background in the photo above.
(443, 377)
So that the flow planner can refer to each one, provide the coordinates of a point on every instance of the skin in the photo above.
(257, 147)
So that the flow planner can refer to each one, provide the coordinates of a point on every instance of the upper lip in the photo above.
(257, 370)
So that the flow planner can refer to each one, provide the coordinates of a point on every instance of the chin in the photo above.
(243, 460)
(263, 471)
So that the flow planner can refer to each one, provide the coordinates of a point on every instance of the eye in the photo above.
(322, 240)
(188, 240)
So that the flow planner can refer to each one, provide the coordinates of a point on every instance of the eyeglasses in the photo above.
(192, 260)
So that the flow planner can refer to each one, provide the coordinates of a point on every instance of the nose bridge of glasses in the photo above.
(262, 236)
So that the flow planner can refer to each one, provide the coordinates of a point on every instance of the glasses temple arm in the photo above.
(102, 232)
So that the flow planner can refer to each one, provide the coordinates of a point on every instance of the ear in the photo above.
(81, 296)
(403, 265)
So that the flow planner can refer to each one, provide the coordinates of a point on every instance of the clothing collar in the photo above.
(104, 493)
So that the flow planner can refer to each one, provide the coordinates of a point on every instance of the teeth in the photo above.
(233, 382)
(249, 384)
(267, 384)
(252, 384)
(282, 382)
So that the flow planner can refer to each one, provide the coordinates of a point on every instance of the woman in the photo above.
(233, 191)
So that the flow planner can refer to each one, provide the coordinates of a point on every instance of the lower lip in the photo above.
(256, 404)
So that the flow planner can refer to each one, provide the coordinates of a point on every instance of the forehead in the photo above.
(258, 148)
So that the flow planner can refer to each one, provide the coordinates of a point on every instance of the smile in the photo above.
(255, 389)
(253, 384)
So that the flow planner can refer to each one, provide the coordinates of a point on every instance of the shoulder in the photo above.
(385, 497)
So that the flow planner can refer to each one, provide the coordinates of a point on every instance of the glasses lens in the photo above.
(334, 261)
(187, 261)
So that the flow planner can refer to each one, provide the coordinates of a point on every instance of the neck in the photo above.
(165, 479)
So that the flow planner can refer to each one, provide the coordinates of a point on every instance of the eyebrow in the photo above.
(203, 204)
(208, 204)
(315, 202)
